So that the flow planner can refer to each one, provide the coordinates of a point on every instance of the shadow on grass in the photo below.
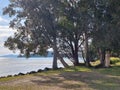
(81, 80)
(114, 71)
(94, 80)
(48, 81)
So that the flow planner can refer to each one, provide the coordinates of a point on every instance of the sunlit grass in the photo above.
(11, 78)
(78, 69)
(110, 71)
(113, 70)
(25, 87)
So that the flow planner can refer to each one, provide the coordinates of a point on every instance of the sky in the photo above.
(5, 31)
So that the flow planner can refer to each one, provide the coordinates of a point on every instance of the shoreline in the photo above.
(72, 78)
(12, 66)
(31, 72)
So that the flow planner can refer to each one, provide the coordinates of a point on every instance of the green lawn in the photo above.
(73, 78)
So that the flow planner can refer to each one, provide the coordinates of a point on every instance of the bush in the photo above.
(114, 60)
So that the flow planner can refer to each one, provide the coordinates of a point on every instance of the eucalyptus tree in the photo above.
(115, 25)
(70, 33)
(106, 12)
(76, 24)
(36, 23)
(101, 25)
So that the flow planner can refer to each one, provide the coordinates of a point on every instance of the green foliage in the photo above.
(64, 24)
(114, 60)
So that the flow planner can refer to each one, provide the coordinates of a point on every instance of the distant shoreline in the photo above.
(17, 56)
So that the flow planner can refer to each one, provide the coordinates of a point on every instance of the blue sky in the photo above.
(5, 31)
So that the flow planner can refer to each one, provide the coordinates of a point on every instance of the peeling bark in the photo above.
(107, 59)
(86, 50)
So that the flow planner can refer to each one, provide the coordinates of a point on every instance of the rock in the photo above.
(40, 70)
(60, 68)
(9, 76)
(21, 74)
(46, 69)
(15, 75)
(32, 72)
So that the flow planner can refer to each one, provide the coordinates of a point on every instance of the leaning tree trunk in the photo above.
(57, 55)
(62, 60)
(107, 59)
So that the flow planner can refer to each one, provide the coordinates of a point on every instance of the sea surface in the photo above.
(12, 66)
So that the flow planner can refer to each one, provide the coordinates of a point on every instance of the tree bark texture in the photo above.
(86, 50)
(107, 59)
(102, 57)
(55, 66)
(62, 61)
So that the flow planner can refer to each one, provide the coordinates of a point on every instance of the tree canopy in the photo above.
(70, 27)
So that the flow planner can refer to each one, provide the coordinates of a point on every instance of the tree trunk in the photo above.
(55, 66)
(62, 61)
(107, 59)
(102, 57)
(74, 50)
(86, 50)
(76, 60)
(75, 54)
(57, 55)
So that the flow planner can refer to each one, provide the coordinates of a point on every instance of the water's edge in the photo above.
(12, 66)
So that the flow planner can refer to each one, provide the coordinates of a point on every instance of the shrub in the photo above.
(114, 60)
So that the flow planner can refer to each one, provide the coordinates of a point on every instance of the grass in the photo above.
(73, 78)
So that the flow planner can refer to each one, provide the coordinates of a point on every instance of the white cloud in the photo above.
(4, 27)
(5, 35)
(5, 32)
(4, 20)
(5, 51)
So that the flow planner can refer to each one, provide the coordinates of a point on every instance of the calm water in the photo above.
(11, 66)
